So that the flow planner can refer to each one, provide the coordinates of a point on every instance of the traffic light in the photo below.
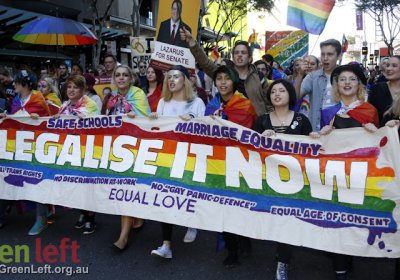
(364, 50)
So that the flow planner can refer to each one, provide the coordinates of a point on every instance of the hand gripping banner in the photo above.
(339, 193)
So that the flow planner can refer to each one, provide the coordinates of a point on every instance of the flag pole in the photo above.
(315, 44)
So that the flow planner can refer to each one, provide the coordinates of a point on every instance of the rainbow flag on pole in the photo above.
(345, 44)
(309, 15)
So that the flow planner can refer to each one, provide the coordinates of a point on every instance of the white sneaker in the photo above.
(190, 235)
(164, 252)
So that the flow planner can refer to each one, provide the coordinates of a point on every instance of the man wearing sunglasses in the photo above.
(142, 73)
(249, 81)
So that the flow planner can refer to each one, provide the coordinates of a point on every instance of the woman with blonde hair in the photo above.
(128, 100)
(349, 90)
(178, 100)
(391, 95)
(383, 94)
(51, 93)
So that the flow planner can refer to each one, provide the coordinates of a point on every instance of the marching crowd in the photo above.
(313, 97)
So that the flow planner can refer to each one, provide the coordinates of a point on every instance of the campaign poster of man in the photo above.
(169, 48)
(174, 15)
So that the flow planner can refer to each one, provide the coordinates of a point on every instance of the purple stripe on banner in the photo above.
(305, 21)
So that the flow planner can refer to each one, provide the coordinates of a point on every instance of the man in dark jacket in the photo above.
(249, 82)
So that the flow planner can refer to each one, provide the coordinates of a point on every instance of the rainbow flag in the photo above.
(345, 44)
(309, 15)
(253, 41)
(215, 53)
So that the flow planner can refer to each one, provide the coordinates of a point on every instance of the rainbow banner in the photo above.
(339, 193)
(285, 46)
(309, 15)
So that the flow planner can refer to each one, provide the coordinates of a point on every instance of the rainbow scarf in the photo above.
(53, 98)
(53, 101)
(85, 106)
(238, 109)
(309, 15)
(154, 98)
(135, 100)
(364, 113)
(36, 104)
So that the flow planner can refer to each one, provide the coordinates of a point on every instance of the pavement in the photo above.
(194, 261)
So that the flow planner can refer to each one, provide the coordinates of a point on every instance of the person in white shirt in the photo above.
(178, 100)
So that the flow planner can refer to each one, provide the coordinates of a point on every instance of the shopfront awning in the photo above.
(32, 53)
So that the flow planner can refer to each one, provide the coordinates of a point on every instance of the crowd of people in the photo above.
(315, 97)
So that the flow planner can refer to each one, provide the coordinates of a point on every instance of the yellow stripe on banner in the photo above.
(10, 146)
(309, 9)
(373, 189)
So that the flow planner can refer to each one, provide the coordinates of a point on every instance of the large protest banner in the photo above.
(339, 193)
(285, 46)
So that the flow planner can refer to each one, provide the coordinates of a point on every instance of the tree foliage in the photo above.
(136, 17)
(100, 12)
(261, 5)
(230, 12)
(387, 15)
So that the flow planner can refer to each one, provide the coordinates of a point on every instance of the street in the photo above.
(198, 260)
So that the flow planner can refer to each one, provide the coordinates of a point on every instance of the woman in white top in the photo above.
(178, 100)
(178, 96)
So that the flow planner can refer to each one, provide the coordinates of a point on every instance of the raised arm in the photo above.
(200, 56)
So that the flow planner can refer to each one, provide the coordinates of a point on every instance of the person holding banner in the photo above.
(249, 81)
(392, 115)
(28, 102)
(282, 96)
(154, 83)
(349, 89)
(169, 29)
(233, 106)
(383, 94)
(132, 101)
(178, 100)
(80, 105)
